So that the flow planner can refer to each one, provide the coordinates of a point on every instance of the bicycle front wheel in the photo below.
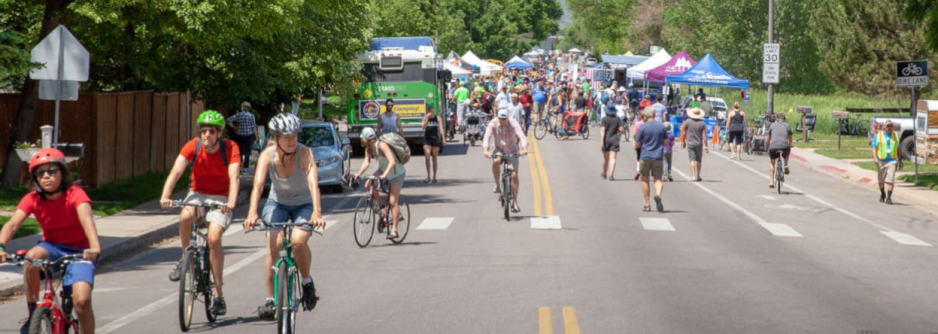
(586, 133)
(778, 176)
(363, 225)
(284, 299)
(41, 321)
(403, 225)
(540, 129)
(188, 290)
(207, 283)
(506, 196)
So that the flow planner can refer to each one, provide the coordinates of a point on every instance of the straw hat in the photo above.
(695, 113)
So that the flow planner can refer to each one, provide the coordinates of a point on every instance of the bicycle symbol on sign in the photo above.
(912, 69)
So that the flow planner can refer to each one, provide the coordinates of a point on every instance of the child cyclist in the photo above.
(63, 211)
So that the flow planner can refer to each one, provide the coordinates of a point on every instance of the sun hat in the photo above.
(503, 113)
(695, 113)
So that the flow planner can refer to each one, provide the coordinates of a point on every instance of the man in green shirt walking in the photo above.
(462, 102)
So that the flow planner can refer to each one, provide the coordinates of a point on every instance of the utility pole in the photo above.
(771, 92)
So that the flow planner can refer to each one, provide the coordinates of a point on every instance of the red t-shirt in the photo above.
(209, 173)
(526, 101)
(644, 103)
(58, 219)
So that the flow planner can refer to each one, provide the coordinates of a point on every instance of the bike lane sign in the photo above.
(912, 73)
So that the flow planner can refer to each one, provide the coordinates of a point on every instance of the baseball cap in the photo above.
(368, 133)
(503, 113)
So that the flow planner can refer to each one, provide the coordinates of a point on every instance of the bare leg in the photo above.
(496, 172)
(31, 273)
(426, 155)
(81, 300)
(605, 163)
(515, 185)
(693, 171)
(436, 153)
(217, 256)
(646, 191)
(394, 194)
(301, 252)
(771, 172)
(659, 187)
(274, 238)
(612, 164)
(185, 228)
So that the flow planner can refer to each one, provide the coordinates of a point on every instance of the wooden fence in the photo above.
(125, 134)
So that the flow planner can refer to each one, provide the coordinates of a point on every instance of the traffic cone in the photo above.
(682, 131)
(716, 134)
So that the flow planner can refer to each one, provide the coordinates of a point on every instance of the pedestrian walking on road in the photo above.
(432, 141)
(609, 133)
(244, 127)
(735, 124)
(668, 146)
(886, 155)
(638, 150)
(651, 138)
(695, 131)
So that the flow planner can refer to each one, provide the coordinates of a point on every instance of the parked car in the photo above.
(720, 109)
(590, 61)
(330, 151)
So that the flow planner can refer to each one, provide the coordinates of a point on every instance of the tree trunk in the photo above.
(29, 98)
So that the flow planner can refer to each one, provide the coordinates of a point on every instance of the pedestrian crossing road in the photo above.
(727, 255)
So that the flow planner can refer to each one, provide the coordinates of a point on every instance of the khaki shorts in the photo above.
(512, 162)
(653, 168)
(213, 216)
(695, 153)
(887, 172)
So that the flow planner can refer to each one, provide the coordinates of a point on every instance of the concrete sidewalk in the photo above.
(120, 233)
(905, 192)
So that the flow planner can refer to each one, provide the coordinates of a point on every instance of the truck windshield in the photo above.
(411, 72)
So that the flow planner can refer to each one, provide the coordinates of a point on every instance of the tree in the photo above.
(925, 11)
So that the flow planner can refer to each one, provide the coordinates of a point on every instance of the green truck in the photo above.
(409, 71)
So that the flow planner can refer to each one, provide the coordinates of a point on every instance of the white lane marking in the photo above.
(657, 224)
(435, 223)
(329, 224)
(546, 223)
(234, 229)
(771, 198)
(146, 310)
(341, 203)
(826, 203)
(791, 207)
(758, 220)
(905, 239)
(781, 230)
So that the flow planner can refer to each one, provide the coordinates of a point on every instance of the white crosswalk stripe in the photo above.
(780, 230)
(905, 239)
(435, 223)
(546, 223)
(657, 224)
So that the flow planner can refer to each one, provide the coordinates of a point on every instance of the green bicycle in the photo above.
(288, 291)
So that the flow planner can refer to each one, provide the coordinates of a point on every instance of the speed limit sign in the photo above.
(770, 62)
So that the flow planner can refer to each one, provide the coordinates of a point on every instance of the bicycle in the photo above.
(779, 174)
(288, 294)
(196, 271)
(367, 212)
(52, 315)
(855, 126)
(543, 126)
(723, 136)
(507, 193)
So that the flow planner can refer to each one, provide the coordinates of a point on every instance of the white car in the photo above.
(720, 109)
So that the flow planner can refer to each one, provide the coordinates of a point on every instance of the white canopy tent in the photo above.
(452, 56)
(638, 72)
(484, 66)
(455, 70)
(575, 50)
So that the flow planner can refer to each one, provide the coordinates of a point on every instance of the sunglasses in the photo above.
(209, 131)
(50, 172)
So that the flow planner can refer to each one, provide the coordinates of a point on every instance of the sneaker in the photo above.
(25, 328)
(497, 190)
(602, 175)
(268, 311)
(670, 179)
(882, 198)
(219, 307)
(772, 186)
(611, 178)
(658, 204)
(310, 297)
(174, 275)
(889, 200)
(786, 170)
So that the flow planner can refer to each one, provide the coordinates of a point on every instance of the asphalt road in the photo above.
(729, 255)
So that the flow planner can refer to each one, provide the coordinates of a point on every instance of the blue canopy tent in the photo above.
(517, 63)
(707, 72)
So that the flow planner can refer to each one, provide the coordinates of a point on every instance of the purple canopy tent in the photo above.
(678, 64)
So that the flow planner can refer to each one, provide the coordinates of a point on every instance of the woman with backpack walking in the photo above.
(392, 153)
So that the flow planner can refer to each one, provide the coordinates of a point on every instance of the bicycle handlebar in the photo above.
(264, 226)
(180, 204)
(19, 260)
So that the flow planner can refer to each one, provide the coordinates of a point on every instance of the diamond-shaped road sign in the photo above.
(63, 56)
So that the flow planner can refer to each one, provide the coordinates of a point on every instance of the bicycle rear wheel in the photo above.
(586, 133)
(540, 129)
(208, 287)
(41, 321)
(188, 290)
(363, 226)
(778, 175)
(403, 225)
(506, 196)
(284, 303)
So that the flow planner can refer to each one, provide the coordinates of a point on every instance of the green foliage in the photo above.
(926, 11)
(601, 24)
(929, 181)
(861, 40)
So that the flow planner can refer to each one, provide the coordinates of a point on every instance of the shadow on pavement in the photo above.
(415, 243)
(441, 182)
(230, 322)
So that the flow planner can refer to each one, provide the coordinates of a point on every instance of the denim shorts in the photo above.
(76, 272)
(278, 213)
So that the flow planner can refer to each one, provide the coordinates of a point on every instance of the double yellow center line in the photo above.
(570, 324)
(539, 179)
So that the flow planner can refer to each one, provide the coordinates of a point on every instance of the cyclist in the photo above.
(779, 140)
(508, 135)
(215, 180)
(63, 211)
(390, 170)
(294, 195)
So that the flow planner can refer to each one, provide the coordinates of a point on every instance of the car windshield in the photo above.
(719, 104)
(317, 137)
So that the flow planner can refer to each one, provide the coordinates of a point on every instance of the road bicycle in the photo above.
(779, 174)
(371, 215)
(288, 291)
(52, 315)
(196, 271)
(544, 126)
(506, 195)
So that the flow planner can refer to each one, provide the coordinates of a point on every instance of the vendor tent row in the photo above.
(681, 69)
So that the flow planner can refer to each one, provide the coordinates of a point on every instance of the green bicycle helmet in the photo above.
(213, 118)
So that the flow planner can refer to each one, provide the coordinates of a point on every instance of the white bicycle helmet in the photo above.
(284, 124)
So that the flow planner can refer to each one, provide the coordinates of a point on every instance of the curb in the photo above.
(161, 231)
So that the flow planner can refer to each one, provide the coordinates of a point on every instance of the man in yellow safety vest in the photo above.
(886, 155)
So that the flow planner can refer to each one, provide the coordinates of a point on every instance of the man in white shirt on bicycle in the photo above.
(508, 136)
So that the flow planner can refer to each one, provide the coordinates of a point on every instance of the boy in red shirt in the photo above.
(215, 180)
(63, 211)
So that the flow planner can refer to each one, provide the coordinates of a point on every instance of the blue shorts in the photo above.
(278, 213)
(76, 272)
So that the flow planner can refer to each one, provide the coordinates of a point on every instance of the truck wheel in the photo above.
(906, 148)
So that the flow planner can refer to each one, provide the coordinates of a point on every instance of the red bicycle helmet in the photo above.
(45, 156)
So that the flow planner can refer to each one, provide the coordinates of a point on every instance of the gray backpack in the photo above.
(399, 145)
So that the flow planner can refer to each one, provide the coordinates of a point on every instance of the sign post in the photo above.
(912, 74)
(66, 64)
